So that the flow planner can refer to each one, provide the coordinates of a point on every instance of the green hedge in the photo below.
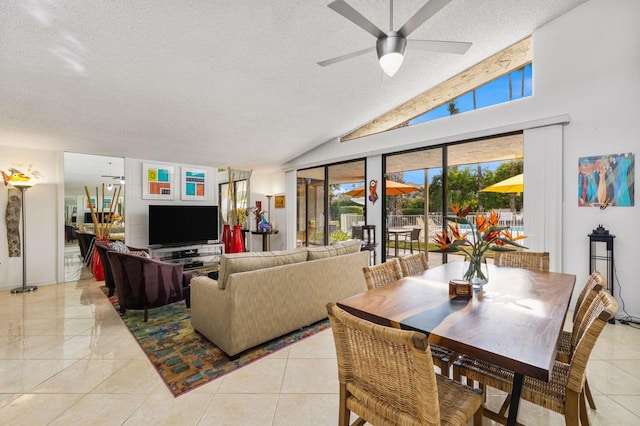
(350, 210)
(413, 211)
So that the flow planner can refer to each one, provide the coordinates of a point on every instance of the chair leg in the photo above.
(477, 416)
(587, 392)
(344, 413)
(146, 314)
(572, 408)
(505, 405)
(584, 417)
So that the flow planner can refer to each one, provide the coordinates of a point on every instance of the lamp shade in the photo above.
(19, 179)
(390, 51)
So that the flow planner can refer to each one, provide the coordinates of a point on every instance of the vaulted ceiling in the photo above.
(222, 82)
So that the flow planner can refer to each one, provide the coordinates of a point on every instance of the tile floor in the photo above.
(67, 358)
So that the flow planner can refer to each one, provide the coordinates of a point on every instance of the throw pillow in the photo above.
(119, 246)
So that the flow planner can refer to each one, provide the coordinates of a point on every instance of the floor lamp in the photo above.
(23, 186)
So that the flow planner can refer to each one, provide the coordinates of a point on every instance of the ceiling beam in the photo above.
(509, 59)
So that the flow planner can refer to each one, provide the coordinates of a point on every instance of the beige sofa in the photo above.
(260, 296)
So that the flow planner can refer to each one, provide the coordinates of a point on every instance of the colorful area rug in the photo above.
(185, 359)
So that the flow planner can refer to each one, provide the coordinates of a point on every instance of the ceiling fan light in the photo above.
(391, 52)
(391, 63)
(109, 187)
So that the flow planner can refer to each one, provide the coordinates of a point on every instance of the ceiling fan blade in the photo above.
(459, 47)
(345, 57)
(419, 18)
(354, 16)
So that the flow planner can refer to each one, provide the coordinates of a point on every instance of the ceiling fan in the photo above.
(391, 45)
(117, 177)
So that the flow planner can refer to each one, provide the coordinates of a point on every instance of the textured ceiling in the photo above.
(222, 82)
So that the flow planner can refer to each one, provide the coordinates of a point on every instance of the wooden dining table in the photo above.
(514, 321)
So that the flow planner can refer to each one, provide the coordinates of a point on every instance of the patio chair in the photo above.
(414, 264)
(535, 261)
(386, 377)
(413, 237)
(564, 393)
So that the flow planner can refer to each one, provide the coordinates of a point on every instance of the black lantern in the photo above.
(601, 255)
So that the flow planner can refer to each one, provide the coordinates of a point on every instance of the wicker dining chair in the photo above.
(386, 377)
(535, 261)
(564, 393)
(414, 264)
(388, 272)
(382, 273)
(568, 339)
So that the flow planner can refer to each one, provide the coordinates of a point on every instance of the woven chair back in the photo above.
(534, 261)
(414, 264)
(388, 371)
(603, 308)
(383, 273)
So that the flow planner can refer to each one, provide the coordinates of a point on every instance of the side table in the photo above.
(266, 238)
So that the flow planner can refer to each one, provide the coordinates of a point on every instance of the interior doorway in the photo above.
(104, 178)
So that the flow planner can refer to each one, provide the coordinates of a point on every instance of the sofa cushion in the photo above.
(244, 262)
(336, 249)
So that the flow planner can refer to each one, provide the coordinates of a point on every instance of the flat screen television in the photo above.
(176, 225)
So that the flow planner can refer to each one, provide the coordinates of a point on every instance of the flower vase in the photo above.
(226, 238)
(238, 240)
(96, 263)
(477, 272)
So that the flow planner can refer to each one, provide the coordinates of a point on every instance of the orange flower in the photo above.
(459, 213)
(442, 240)
(486, 234)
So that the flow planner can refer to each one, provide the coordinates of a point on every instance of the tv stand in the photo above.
(190, 256)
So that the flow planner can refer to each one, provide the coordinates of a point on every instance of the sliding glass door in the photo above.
(436, 178)
(327, 206)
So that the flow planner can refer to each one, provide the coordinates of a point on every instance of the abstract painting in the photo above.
(157, 182)
(194, 184)
(606, 180)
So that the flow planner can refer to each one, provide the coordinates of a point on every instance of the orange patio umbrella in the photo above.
(392, 188)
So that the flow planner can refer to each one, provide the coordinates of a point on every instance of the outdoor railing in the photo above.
(514, 221)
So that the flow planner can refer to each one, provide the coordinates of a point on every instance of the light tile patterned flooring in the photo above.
(67, 358)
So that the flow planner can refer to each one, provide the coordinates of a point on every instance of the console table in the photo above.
(192, 256)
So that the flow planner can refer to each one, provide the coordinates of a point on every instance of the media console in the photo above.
(191, 256)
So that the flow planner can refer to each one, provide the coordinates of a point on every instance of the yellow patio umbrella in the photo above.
(392, 188)
(513, 184)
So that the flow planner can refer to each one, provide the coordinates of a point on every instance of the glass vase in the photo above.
(476, 271)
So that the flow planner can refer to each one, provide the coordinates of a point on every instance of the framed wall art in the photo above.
(194, 184)
(606, 180)
(157, 182)
(279, 200)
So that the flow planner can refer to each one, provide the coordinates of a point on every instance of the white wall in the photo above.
(585, 65)
(265, 183)
(137, 209)
(44, 225)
